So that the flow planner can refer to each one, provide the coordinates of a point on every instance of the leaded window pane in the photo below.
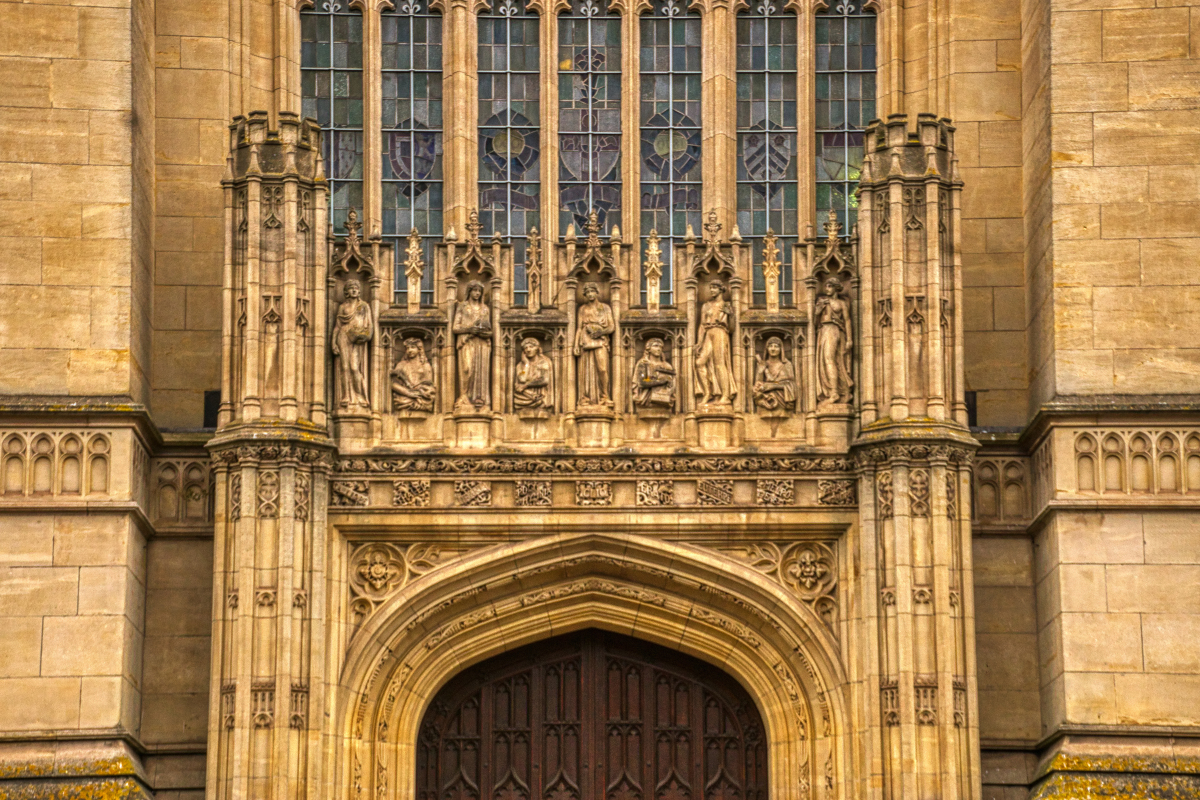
(845, 103)
(509, 139)
(767, 189)
(669, 116)
(411, 39)
(331, 53)
(589, 115)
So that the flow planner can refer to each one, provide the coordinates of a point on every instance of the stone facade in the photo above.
(936, 510)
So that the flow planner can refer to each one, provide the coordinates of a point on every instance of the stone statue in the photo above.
(353, 329)
(774, 381)
(412, 379)
(595, 324)
(714, 353)
(533, 385)
(653, 380)
(473, 340)
(834, 338)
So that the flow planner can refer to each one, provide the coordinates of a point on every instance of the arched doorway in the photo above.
(592, 716)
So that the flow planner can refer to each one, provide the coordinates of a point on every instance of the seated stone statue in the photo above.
(412, 379)
(533, 384)
(774, 381)
(653, 381)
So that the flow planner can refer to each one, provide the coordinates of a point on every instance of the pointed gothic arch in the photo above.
(674, 595)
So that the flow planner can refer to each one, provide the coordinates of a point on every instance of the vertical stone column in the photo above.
(271, 455)
(460, 84)
(919, 676)
(718, 109)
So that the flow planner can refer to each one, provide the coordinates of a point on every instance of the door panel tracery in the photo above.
(592, 716)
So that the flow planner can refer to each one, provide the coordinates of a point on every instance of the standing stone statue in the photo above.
(834, 338)
(653, 380)
(774, 381)
(594, 327)
(353, 328)
(714, 352)
(412, 379)
(473, 340)
(533, 385)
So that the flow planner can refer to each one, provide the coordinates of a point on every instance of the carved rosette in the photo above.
(808, 569)
(378, 570)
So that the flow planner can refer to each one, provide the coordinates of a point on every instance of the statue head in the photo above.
(833, 287)
(774, 347)
(352, 290)
(414, 349)
(531, 347)
(716, 289)
(591, 292)
(475, 291)
(654, 347)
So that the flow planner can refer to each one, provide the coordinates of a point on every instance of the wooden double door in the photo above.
(592, 716)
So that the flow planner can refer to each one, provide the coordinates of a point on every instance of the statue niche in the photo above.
(413, 387)
(654, 381)
(774, 390)
(473, 344)
(533, 382)
(715, 383)
(834, 344)
(353, 329)
(593, 350)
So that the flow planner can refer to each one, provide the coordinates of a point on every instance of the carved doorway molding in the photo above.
(592, 716)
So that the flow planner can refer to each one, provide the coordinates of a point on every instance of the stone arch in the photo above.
(676, 595)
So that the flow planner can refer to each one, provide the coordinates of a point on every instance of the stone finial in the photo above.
(570, 234)
(473, 227)
(653, 268)
(451, 236)
(533, 269)
(352, 225)
(615, 236)
(712, 228)
(689, 233)
(414, 270)
(833, 228)
(771, 267)
(735, 235)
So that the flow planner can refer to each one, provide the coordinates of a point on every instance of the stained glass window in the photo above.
(589, 115)
(767, 190)
(331, 54)
(845, 77)
(670, 129)
(509, 140)
(411, 38)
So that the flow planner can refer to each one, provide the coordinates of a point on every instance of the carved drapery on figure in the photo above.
(774, 381)
(353, 329)
(533, 382)
(413, 388)
(593, 334)
(835, 336)
(653, 381)
(714, 356)
(473, 341)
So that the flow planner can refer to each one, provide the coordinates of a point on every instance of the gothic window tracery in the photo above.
(331, 60)
(669, 148)
(845, 103)
(767, 188)
(589, 115)
(509, 136)
(411, 48)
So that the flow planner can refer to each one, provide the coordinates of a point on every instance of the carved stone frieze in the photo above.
(56, 463)
(594, 585)
(532, 493)
(1133, 462)
(593, 493)
(775, 491)
(714, 492)
(413, 494)
(182, 491)
(837, 492)
(655, 493)
(593, 465)
(349, 493)
(473, 493)
(1001, 490)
